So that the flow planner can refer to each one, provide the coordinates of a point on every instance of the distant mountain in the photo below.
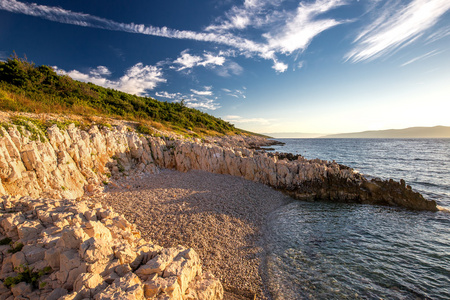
(407, 133)
(297, 135)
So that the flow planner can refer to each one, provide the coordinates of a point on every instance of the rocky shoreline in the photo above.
(72, 162)
(68, 162)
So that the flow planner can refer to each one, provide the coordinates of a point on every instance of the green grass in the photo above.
(16, 249)
(25, 87)
(25, 274)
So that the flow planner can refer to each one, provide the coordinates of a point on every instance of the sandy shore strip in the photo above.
(220, 216)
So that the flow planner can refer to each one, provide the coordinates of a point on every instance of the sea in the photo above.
(323, 250)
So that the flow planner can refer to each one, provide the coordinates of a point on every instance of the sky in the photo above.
(317, 66)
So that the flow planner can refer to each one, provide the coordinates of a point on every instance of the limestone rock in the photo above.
(96, 250)
(88, 284)
(21, 289)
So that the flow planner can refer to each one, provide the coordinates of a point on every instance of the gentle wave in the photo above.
(339, 251)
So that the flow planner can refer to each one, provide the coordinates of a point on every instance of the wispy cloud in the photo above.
(422, 57)
(203, 103)
(168, 95)
(206, 92)
(61, 15)
(138, 80)
(253, 13)
(288, 31)
(240, 120)
(302, 26)
(439, 34)
(188, 61)
(235, 93)
(295, 32)
(395, 27)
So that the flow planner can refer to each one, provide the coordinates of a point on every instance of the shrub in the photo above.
(26, 275)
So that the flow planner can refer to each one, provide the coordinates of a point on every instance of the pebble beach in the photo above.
(220, 216)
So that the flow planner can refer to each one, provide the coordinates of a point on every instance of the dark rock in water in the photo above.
(375, 192)
(259, 144)
(288, 156)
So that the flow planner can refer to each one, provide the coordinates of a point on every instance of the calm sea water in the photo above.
(350, 251)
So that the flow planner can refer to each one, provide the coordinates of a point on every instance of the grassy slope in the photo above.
(25, 87)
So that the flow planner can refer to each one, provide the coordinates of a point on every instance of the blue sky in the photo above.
(320, 66)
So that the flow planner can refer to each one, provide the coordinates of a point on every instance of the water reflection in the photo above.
(339, 251)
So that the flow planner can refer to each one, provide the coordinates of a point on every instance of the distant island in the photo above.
(407, 133)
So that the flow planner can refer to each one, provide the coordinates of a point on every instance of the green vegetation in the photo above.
(35, 126)
(26, 275)
(144, 129)
(16, 249)
(25, 87)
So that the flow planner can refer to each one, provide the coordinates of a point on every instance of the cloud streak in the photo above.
(295, 34)
(276, 29)
(396, 27)
(425, 56)
(302, 26)
(61, 15)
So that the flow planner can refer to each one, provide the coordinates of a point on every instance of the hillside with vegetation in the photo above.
(25, 87)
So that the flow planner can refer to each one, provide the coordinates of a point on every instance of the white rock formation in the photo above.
(74, 161)
(101, 259)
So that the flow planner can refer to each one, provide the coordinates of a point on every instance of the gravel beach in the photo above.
(220, 216)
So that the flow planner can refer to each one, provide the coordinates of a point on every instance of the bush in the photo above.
(26, 275)
(40, 89)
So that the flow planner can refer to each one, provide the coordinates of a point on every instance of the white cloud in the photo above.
(276, 30)
(439, 34)
(421, 57)
(204, 103)
(206, 92)
(61, 15)
(167, 95)
(300, 28)
(137, 80)
(396, 27)
(235, 93)
(251, 14)
(188, 61)
(240, 120)
(279, 67)
(210, 59)
(295, 34)
(100, 71)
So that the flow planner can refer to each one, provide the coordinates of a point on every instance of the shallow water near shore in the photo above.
(349, 251)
